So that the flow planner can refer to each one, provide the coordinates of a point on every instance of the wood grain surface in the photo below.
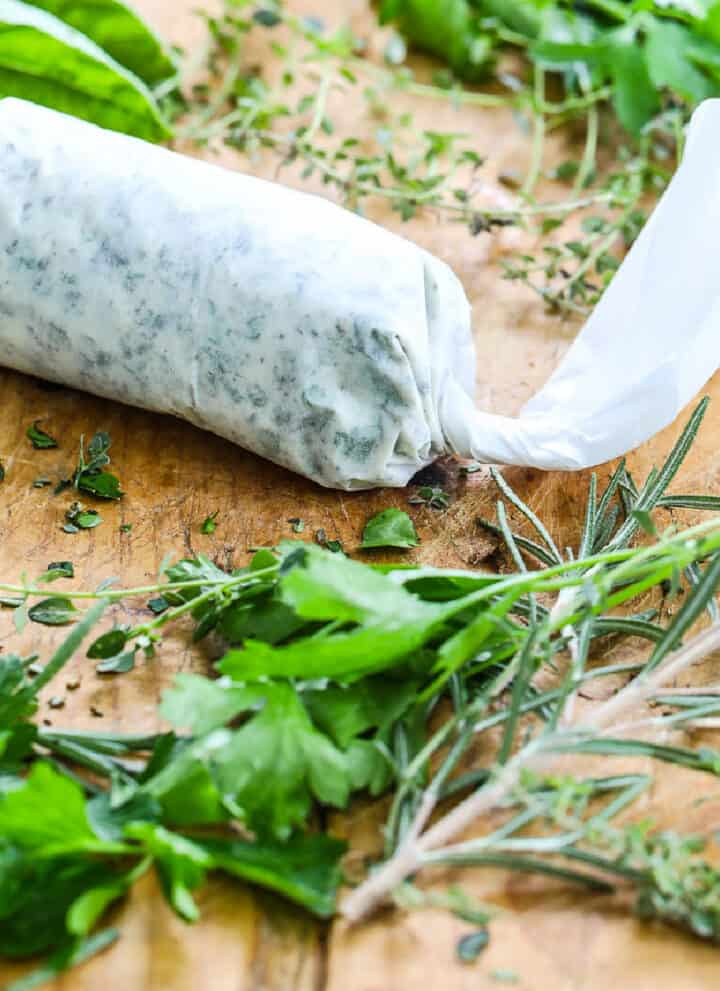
(552, 938)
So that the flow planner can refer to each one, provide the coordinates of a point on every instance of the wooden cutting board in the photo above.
(551, 937)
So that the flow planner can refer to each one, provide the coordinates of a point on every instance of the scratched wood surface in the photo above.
(552, 938)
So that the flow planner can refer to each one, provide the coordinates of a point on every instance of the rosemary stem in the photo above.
(536, 756)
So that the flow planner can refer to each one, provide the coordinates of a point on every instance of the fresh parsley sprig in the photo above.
(330, 675)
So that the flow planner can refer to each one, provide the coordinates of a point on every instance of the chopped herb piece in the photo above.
(88, 519)
(39, 439)
(2, 472)
(209, 523)
(55, 611)
(108, 645)
(433, 497)
(335, 546)
(390, 528)
(267, 18)
(506, 976)
(59, 569)
(102, 485)
(79, 518)
(56, 702)
(125, 527)
(97, 713)
(11, 602)
(120, 664)
(41, 483)
(89, 475)
(158, 605)
(72, 684)
(297, 524)
(470, 947)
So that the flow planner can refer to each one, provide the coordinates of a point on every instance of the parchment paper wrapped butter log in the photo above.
(280, 321)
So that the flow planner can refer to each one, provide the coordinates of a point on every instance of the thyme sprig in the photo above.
(291, 112)
(410, 167)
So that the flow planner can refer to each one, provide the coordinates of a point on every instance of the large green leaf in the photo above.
(47, 62)
(446, 28)
(277, 763)
(46, 813)
(120, 31)
(667, 50)
(305, 869)
(634, 96)
(35, 895)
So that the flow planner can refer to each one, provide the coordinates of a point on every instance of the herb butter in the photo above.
(307, 334)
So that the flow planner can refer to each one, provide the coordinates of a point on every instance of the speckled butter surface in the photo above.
(273, 318)
(311, 336)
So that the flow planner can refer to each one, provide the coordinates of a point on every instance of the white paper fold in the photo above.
(650, 345)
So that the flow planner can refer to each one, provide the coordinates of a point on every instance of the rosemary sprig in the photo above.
(559, 731)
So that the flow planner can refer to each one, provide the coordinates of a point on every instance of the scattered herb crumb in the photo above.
(390, 528)
(97, 713)
(470, 946)
(59, 569)
(120, 664)
(335, 546)
(39, 439)
(109, 644)
(41, 483)
(268, 18)
(297, 524)
(79, 518)
(72, 684)
(57, 702)
(158, 605)
(433, 497)
(2, 472)
(55, 611)
(209, 523)
(508, 976)
(125, 527)
(35, 669)
(89, 475)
